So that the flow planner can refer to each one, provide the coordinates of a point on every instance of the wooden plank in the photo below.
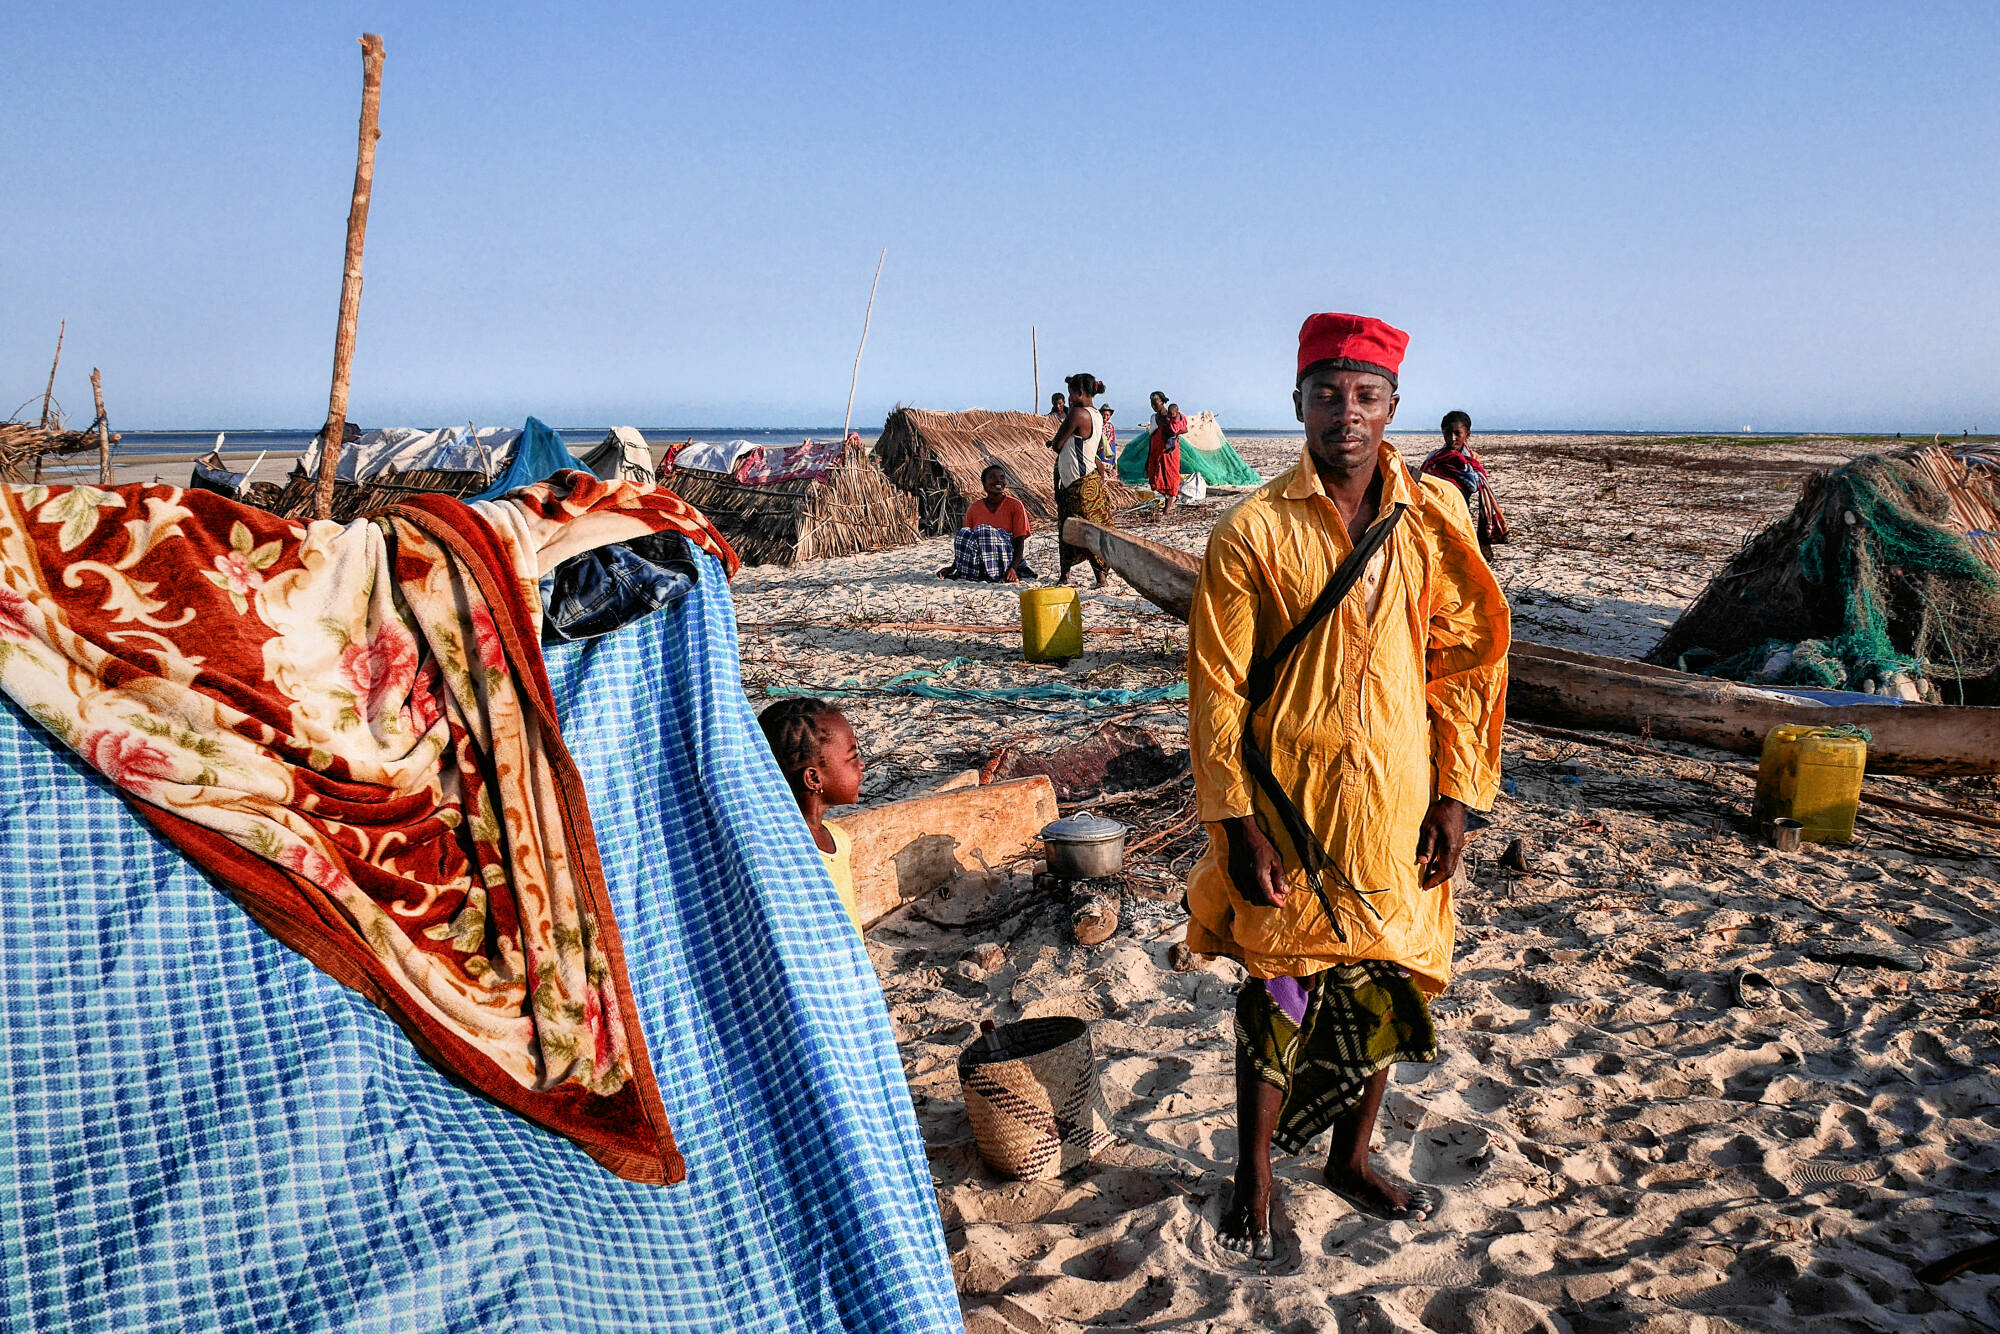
(905, 849)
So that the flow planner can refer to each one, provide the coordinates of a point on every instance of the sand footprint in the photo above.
(1479, 1311)
(1204, 1225)
(1450, 1154)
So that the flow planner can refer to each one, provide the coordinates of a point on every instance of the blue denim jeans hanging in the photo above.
(597, 592)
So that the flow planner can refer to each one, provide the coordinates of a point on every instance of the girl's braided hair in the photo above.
(797, 732)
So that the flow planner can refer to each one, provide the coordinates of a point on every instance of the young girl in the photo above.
(819, 757)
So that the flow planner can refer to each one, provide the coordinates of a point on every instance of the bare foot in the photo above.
(1246, 1223)
(1372, 1193)
(1103, 578)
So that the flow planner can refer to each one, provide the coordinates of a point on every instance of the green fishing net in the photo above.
(1861, 582)
(1205, 451)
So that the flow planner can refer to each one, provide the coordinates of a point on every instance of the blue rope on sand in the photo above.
(918, 683)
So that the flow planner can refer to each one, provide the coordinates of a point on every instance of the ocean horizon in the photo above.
(238, 440)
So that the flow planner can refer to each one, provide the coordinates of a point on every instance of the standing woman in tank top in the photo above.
(1080, 491)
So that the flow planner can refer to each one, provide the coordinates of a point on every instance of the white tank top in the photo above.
(1073, 460)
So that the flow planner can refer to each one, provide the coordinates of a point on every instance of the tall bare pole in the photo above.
(1035, 352)
(350, 282)
(849, 420)
(49, 393)
(103, 430)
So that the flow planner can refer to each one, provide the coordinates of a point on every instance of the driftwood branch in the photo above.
(49, 393)
(332, 434)
(848, 424)
(103, 430)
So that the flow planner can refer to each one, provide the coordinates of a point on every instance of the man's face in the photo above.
(1455, 435)
(995, 485)
(1345, 415)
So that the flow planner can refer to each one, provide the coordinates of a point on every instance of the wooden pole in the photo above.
(330, 436)
(103, 430)
(849, 420)
(49, 392)
(1035, 353)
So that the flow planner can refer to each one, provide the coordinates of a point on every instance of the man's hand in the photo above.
(1011, 577)
(1441, 841)
(1255, 867)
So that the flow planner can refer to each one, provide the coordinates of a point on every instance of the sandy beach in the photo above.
(1623, 1143)
(1627, 1136)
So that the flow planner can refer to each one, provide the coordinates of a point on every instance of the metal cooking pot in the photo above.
(1084, 847)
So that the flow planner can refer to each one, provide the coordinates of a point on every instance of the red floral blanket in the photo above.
(350, 727)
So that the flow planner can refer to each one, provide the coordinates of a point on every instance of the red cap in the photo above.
(1357, 342)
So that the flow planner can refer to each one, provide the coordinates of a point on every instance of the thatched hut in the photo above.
(841, 510)
(1886, 571)
(938, 457)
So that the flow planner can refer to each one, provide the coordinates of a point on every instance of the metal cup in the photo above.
(1785, 835)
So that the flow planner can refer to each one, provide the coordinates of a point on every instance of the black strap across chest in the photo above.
(1263, 682)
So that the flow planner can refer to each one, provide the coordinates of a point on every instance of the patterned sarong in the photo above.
(1320, 1039)
(982, 553)
(1163, 461)
(1085, 498)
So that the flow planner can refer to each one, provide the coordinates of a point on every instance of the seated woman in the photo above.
(992, 544)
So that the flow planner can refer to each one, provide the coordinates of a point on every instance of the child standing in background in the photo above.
(820, 758)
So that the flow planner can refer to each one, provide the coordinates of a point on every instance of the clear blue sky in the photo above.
(1617, 215)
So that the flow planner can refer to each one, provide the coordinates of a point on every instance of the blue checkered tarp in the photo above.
(199, 1130)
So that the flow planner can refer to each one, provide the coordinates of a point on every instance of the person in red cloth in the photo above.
(1457, 464)
(1163, 451)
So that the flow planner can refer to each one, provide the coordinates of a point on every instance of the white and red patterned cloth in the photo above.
(350, 727)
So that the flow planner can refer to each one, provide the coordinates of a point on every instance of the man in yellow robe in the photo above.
(1337, 820)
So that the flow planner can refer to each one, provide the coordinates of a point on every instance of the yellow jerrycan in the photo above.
(1051, 624)
(1812, 775)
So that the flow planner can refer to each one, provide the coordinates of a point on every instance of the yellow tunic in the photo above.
(840, 865)
(1395, 698)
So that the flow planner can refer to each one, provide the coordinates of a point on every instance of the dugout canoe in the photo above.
(1575, 689)
(1162, 575)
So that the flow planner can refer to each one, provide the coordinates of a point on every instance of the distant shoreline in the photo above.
(157, 441)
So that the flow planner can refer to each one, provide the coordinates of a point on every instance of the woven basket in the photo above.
(1031, 1094)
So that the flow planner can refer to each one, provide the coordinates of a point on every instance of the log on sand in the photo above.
(1585, 690)
(906, 849)
(1582, 689)
(1162, 575)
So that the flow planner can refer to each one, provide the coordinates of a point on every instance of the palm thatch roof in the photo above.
(938, 457)
(851, 509)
